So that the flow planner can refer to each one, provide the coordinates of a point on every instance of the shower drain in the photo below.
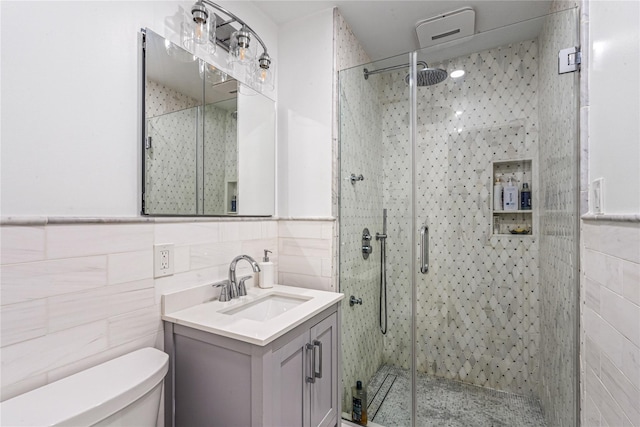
(379, 395)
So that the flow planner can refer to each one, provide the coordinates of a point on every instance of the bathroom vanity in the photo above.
(267, 359)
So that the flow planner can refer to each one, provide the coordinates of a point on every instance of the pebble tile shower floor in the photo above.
(443, 402)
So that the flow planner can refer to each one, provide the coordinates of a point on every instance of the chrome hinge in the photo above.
(147, 143)
(569, 60)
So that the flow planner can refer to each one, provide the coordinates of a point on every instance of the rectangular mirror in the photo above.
(209, 140)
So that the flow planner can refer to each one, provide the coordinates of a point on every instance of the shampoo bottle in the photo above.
(234, 203)
(497, 194)
(525, 197)
(510, 196)
(266, 271)
(359, 399)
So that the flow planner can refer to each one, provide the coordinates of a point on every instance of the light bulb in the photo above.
(201, 32)
(263, 77)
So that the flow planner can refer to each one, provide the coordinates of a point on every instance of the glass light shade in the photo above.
(211, 74)
(263, 78)
(178, 53)
(186, 36)
(241, 50)
(201, 31)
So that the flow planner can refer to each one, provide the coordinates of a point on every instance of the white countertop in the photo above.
(209, 317)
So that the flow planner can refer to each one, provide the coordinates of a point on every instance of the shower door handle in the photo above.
(424, 249)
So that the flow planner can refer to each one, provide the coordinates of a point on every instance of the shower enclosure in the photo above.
(478, 321)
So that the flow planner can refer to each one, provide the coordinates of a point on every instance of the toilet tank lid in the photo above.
(91, 395)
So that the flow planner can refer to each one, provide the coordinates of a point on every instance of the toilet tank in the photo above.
(122, 391)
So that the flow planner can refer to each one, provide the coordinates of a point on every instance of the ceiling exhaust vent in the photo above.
(446, 27)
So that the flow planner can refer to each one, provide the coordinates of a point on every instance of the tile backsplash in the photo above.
(610, 354)
(74, 295)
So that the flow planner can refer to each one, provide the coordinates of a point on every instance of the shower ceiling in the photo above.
(397, 19)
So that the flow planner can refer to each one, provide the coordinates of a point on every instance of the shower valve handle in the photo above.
(355, 178)
(353, 300)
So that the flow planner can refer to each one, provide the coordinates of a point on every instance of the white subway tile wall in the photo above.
(304, 256)
(76, 295)
(611, 323)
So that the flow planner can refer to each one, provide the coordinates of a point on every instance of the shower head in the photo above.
(425, 76)
(429, 76)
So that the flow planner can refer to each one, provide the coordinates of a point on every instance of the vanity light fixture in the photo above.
(208, 29)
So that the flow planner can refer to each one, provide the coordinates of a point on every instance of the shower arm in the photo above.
(368, 73)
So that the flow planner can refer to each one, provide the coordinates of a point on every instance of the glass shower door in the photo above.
(487, 335)
(376, 326)
(490, 346)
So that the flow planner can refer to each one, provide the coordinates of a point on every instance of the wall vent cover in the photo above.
(446, 27)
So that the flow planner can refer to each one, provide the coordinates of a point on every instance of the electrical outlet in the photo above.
(163, 260)
(598, 196)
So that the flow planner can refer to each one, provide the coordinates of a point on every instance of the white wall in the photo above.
(70, 101)
(614, 98)
(610, 248)
(305, 73)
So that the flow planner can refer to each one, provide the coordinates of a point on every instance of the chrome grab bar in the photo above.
(424, 249)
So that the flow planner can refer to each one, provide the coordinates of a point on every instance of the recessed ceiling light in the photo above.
(457, 74)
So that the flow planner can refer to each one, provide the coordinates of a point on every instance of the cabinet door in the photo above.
(290, 389)
(324, 391)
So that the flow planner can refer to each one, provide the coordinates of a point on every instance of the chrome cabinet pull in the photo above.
(424, 250)
(317, 344)
(312, 378)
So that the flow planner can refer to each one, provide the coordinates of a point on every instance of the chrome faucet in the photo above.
(235, 290)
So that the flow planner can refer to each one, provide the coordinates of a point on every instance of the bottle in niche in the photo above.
(359, 399)
(525, 197)
(497, 194)
(510, 196)
(234, 203)
(496, 224)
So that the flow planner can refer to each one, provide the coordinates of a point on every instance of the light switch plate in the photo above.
(163, 260)
(598, 196)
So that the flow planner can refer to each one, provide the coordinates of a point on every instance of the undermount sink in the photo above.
(257, 318)
(266, 308)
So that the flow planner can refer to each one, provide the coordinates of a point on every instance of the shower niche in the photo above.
(510, 221)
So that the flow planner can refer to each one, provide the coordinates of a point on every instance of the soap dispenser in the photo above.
(266, 271)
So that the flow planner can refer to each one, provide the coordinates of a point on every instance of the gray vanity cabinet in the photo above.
(305, 385)
(219, 381)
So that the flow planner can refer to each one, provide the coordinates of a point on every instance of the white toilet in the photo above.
(121, 392)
